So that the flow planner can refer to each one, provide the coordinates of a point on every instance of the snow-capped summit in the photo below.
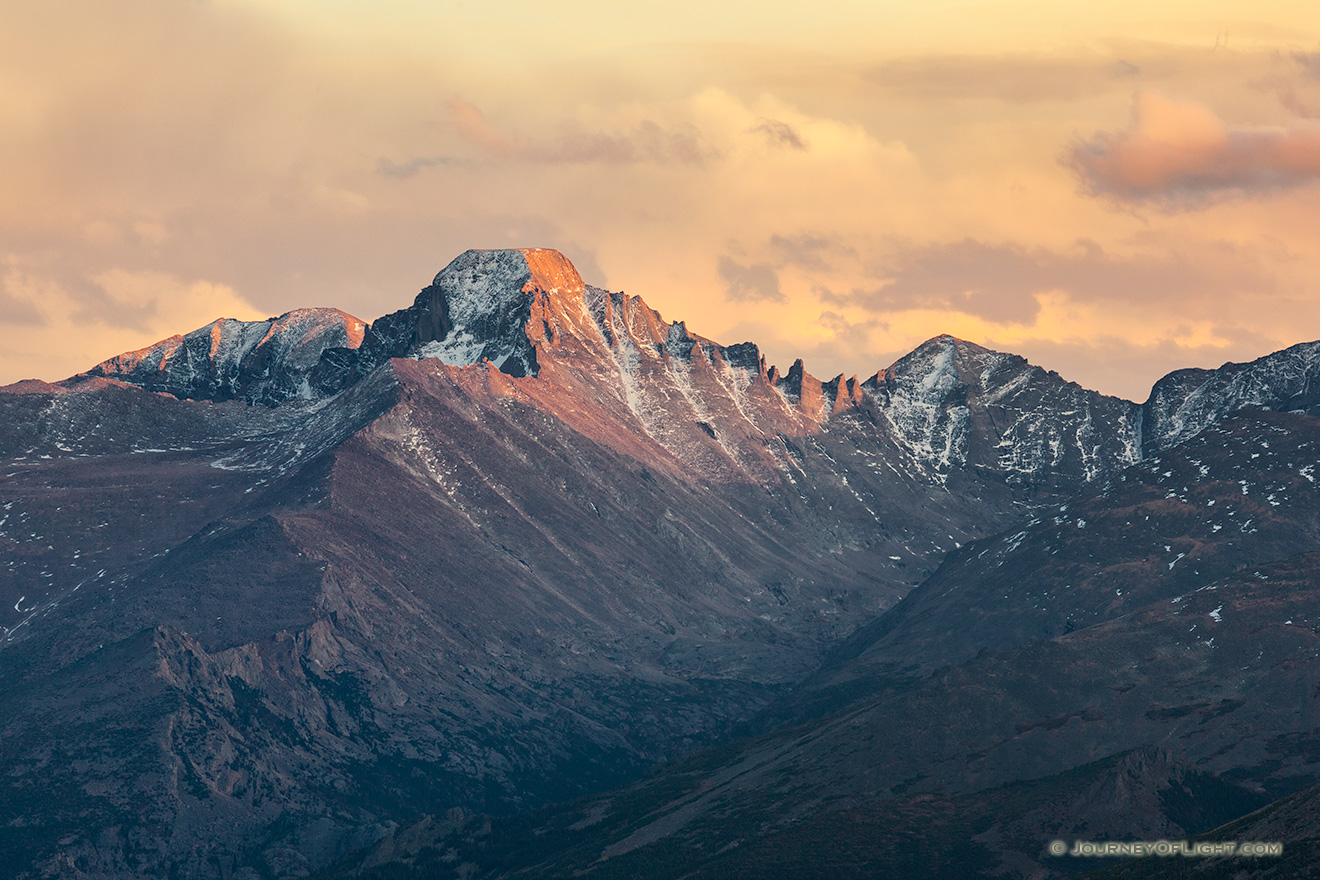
(953, 403)
(479, 306)
(256, 361)
(486, 305)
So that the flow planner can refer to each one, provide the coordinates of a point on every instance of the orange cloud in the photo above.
(1181, 152)
(780, 134)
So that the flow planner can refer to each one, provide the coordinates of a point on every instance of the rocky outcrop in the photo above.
(954, 404)
(1186, 402)
(487, 305)
(264, 362)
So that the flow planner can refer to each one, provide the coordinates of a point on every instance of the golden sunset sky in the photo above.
(1112, 190)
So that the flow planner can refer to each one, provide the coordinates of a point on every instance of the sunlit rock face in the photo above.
(481, 307)
(487, 305)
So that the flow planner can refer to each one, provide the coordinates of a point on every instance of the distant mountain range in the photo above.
(275, 591)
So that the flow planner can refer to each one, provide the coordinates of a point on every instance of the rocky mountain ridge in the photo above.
(951, 404)
(511, 544)
(264, 362)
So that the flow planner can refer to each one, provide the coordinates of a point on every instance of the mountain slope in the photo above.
(1293, 821)
(1220, 669)
(517, 542)
(1240, 493)
(443, 583)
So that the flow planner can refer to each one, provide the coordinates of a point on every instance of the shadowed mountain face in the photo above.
(1292, 821)
(516, 543)
(970, 767)
(1240, 493)
(1003, 831)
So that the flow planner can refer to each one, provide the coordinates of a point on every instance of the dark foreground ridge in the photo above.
(275, 591)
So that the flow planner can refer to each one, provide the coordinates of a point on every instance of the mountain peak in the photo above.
(257, 361)
(948, 342)
(479, 305)
(546, 268)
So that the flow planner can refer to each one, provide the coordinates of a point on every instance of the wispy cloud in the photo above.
(1129, 368)
(16, 311)
(807, 250)
(1310, 62)
(758, 282)
(1181, 154)
(387, 167)
(780, 134)
(646, 141)
(1001, 282)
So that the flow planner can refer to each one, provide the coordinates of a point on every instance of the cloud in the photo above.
(1182, 154)
(997, 282)
(1002, 282)
(1129, 368)
(780, 134)
(849, 335)
(262, 149)
(807, 250)
(645, 141)
(1310, 62)
(387, 167)
(18, 311)
(757, 282)
(75, 329)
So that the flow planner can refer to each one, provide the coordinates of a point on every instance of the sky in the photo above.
(1112, 190)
